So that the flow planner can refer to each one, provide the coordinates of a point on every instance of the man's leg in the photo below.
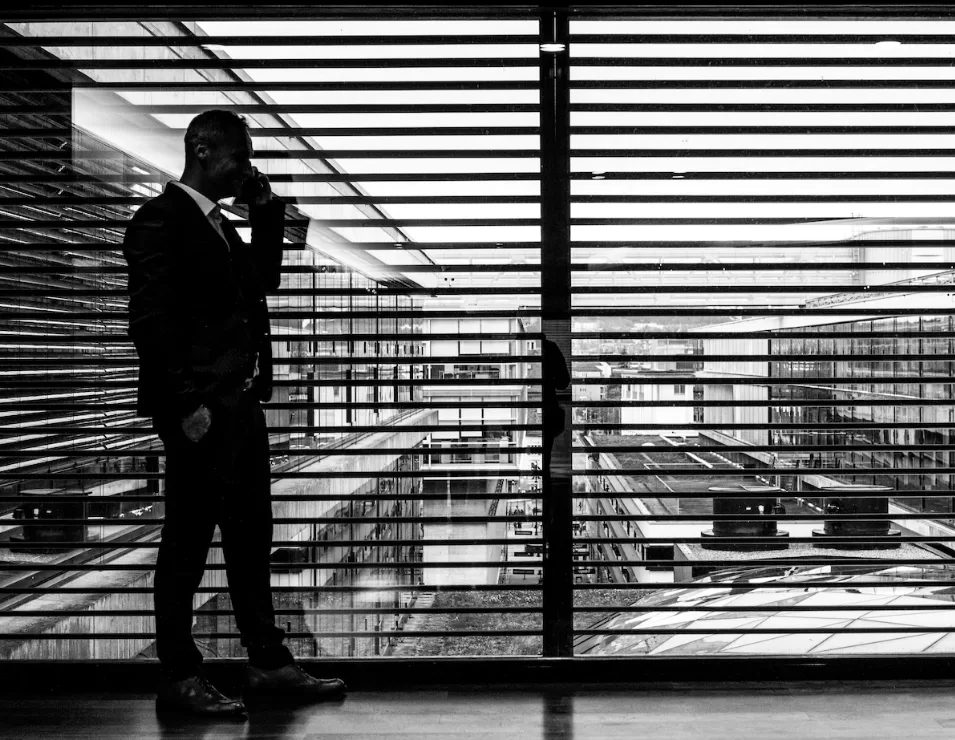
(246, 527)
(193, 506)
(190, 517)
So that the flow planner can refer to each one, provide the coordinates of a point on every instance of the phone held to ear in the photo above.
(252, 189)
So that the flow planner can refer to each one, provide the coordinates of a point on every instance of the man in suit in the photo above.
(199, 320)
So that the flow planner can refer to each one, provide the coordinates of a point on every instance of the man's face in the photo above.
(228, 164)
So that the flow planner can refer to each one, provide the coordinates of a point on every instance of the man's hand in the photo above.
(255, 374)
(257, 191)
(196, 425)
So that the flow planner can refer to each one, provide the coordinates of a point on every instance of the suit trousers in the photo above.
(223, 479)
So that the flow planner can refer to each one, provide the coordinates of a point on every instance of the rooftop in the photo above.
(763, 607)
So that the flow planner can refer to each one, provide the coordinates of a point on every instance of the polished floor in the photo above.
(836, 710)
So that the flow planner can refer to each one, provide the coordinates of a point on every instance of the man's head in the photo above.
(218, 150)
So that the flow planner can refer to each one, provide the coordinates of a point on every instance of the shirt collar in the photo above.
(205, 205)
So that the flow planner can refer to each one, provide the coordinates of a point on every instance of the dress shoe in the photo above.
(290, 682)
(195, 695)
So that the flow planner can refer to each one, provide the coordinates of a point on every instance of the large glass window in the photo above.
(755, 319)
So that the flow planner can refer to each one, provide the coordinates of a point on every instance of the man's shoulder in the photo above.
(163, 207)
(159, 217)
(164, 211)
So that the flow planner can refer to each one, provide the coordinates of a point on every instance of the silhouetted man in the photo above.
(199, 320)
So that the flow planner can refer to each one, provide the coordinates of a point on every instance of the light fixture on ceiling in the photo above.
(598, 175)
(553, 48)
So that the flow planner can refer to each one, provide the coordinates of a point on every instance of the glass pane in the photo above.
(762, 256)
(402, 337)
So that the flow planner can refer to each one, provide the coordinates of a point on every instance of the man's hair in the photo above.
(212, 127)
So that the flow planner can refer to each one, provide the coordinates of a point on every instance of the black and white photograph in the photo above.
(471, 372)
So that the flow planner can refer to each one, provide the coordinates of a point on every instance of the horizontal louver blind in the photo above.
(762, 262)
(405, 331)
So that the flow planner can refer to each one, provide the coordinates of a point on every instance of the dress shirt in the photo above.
(210, 209)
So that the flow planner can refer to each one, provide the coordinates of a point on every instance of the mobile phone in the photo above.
(251, 189)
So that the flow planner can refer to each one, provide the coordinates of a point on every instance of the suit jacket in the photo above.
(197, 310)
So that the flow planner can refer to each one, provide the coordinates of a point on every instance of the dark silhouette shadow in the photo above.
(276, 719)
(558, 720)
(178, 726)
(555, 376)
(284, 720)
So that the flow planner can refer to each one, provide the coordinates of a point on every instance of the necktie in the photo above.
(215, 216)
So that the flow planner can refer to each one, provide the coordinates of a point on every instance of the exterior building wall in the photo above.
(869, 379)
(731, 393)
(349, 503)
(874, 383)
(679, 417)
(872, 253)
(490, 408)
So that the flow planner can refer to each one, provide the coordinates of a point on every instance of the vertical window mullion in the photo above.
(557, 506)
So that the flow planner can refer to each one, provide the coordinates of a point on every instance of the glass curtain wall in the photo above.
(903, 457)
(735, 233)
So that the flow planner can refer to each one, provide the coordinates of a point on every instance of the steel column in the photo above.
(557, 503)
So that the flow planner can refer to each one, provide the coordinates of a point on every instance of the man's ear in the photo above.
(201, 150)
